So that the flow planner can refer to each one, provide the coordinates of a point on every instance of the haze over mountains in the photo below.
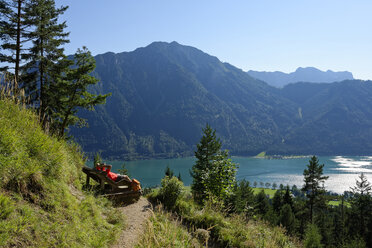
(307, 74)
(165, 93)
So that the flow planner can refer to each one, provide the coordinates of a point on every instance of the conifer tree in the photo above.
(213, 173)
(287, 218)
(47, 52)
(169, 172)
(262, 205)
(361, 208)
(15, 32)
(287, 198)
(314, 180)
(312, 237)
(277, 201)
(206, 153)
(243, 197)
(69, 92)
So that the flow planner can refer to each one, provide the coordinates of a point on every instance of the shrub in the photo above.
(171, 189)
(312, 237)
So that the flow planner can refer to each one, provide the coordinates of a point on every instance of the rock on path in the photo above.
(136, 220)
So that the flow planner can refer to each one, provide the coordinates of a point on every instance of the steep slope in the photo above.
(307, 74)
(41, 202)
(336, 118)
(164, 94)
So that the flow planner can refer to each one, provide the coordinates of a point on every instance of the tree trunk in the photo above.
(18, 44)
(41, 78)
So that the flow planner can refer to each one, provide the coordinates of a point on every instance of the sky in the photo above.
(262, 35)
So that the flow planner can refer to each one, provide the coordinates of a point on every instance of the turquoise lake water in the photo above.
(342, 171)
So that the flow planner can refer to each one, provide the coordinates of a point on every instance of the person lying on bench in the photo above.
(113, 176)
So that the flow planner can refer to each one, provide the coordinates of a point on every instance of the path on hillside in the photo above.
(136, 219)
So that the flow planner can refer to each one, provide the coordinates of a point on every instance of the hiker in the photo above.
(113, 176)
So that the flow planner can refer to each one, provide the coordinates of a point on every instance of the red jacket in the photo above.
(113, 176)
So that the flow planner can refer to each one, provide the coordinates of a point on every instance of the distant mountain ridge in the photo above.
(165, 93)
(307, 74)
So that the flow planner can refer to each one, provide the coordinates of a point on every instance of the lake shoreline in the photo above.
(342, 170)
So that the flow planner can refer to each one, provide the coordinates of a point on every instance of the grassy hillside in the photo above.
(41, 202)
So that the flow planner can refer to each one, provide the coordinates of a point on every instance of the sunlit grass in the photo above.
(261, 155)
(41, 202)
(163, 231)
(269, 192)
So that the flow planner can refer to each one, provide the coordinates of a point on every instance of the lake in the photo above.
(342, 170)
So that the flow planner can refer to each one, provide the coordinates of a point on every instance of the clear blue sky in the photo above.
(275, 35)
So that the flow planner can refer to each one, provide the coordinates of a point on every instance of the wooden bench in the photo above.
(110, 188)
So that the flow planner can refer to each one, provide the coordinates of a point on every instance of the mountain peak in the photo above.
(302, 74)
(308, 69)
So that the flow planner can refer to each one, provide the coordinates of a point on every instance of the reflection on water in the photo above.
(342, 171)
(352, 162)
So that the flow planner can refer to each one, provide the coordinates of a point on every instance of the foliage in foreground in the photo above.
(234, 230)
(161, 231)
(41, 204)
(213, 173)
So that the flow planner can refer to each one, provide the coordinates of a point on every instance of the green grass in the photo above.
(163, 231)
(338, 203)
(270, 192)
(261, 155)
(41, 202)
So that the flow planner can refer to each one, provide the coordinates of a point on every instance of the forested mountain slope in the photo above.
(163, 94)
(336, 118)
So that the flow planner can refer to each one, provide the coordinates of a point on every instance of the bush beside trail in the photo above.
(226, 230)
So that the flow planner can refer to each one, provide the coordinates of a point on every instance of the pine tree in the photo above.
(243, 197)
(15, 32)
(47, 52)
(314, 180)
(179, 177)
(277, 201)
(287, 218)
(287, 198)
(262, 205)
(363, 187)
(312, 237)
(169, 172)
(361, 207)
(70, 91)
(206, 153)
(213, 172)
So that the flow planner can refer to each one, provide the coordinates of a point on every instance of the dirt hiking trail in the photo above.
(137, 215)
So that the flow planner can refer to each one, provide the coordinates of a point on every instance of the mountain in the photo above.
(165, 93)
(307, 74)
(336, 118)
